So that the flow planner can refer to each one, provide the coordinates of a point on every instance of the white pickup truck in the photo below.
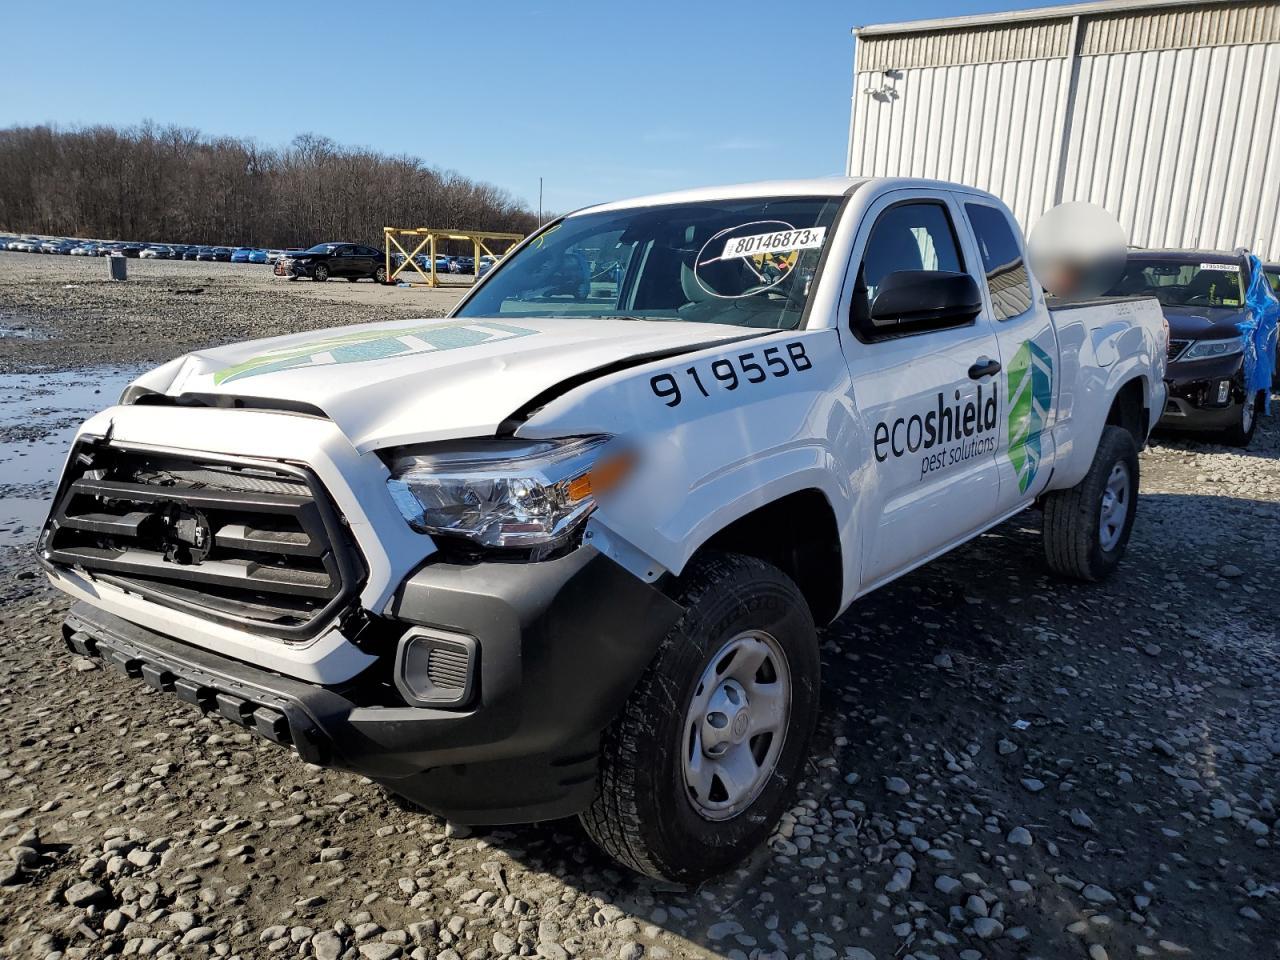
(567, 550)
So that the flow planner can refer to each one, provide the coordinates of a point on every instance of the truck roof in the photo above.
(807, 187)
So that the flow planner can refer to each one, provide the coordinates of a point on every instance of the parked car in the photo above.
(192, 252)
(241, 254)
(85, 248)
(57, 246)
(257, 256)
(155, 251)
(222, 254)
(1272, 272)
(131, 250)
(1202, 295)
(351, 261)
(549, 557)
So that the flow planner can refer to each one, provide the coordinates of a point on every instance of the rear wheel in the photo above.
(704, 757)
(1240, 434)
(320, 274)
(1086, 528)
(380, 275)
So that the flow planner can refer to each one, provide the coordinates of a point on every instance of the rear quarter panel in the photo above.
(1102, 346)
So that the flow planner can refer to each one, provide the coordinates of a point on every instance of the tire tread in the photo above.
(1070, 527)
(614, 819)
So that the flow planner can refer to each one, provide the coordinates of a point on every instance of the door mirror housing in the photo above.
(913, 301)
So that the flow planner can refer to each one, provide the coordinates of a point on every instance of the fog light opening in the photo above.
(436, 669)
(1224, 391)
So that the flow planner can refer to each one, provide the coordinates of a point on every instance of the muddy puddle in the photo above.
(39, 414)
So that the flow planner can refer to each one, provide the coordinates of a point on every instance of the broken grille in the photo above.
(257, 545)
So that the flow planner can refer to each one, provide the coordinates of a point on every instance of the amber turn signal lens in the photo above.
(603, 477)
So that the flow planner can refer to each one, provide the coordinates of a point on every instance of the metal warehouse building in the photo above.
(1167, 113)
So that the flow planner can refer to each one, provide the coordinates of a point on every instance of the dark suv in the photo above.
(1202, 293)
(350, 260)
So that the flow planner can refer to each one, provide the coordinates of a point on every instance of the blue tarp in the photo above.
(1259, 333)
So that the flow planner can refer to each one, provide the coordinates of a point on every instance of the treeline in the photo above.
(173, 184)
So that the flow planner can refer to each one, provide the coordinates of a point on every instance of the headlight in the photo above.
(1212, 349)
(504, 493)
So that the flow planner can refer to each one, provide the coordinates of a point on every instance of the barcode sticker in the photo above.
(780, 241)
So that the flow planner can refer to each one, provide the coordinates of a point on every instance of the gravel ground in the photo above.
(1007, 767)
(67, 314)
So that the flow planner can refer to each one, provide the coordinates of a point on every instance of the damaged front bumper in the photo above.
(1204, 395)
(554, 650)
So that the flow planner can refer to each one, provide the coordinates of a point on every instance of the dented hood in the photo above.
(421, 380)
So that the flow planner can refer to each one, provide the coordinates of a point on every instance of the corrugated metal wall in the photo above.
(1173, 125)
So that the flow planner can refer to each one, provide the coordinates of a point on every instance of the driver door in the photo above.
(927, 393)
(344, 263)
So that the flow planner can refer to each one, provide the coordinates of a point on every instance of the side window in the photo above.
(912, 236)
(1006, 271)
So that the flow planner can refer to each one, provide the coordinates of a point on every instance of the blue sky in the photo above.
(603, 100)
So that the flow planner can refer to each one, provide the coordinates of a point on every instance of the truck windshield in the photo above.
(748, 263)
(1180, 283)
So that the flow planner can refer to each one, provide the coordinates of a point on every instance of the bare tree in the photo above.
(173, 184)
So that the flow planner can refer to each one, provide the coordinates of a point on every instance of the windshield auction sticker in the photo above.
(753, 258)
(779, 241)
(1225, 267)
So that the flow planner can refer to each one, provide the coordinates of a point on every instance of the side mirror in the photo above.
(912, 300)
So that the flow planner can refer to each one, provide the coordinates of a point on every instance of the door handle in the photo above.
(985, 367)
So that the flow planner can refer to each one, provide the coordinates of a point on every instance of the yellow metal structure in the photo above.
(427, 238)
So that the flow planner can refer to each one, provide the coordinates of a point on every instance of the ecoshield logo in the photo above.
(1030, 388)
(954, 429)
(965, 427)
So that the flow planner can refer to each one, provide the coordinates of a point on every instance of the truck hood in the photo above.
(412, 381)
(1203, 323)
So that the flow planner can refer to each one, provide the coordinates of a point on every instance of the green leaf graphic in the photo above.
(1030, 390)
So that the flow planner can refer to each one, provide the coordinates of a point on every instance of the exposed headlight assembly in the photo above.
(1213, 349)
(504, 493)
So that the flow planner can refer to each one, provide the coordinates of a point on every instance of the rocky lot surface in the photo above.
(58, 312)
(1007, 767)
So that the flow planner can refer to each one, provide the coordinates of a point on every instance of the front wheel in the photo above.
(1087, 527)
(1240, 434)
(705, 755)
(320, 274)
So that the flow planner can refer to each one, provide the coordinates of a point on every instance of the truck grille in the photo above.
(261, 546)
(1176, 347)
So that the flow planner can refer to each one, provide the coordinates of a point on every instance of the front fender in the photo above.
(710, 459)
